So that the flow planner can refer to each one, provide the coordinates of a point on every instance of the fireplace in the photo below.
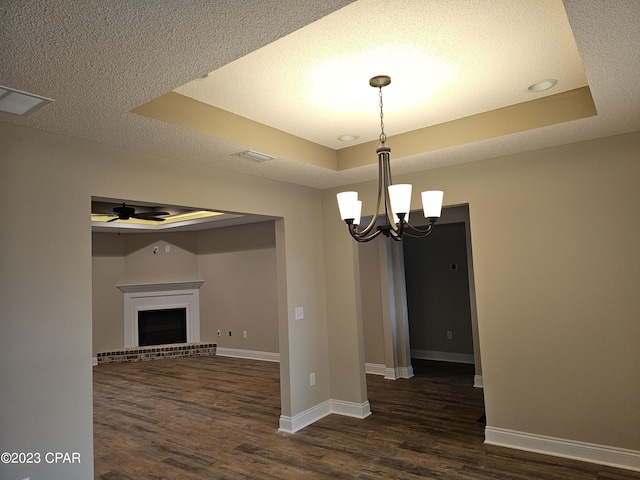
(161, 313)
(162, 327)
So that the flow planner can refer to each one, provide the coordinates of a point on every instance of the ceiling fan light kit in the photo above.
(395, 198)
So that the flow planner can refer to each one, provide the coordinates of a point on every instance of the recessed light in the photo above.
(348, 138)
(542, 85)
(20, 103)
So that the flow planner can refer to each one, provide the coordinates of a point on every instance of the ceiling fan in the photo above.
(126, 212)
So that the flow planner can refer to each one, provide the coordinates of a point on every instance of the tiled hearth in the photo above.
(155, 352)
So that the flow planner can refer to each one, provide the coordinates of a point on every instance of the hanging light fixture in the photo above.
(397, 198)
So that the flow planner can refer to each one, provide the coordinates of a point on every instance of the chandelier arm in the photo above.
(396, 234)
(384, 159)
(365, 231)
(361, 236)
(415, 232)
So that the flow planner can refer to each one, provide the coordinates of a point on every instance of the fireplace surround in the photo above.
(143, 297)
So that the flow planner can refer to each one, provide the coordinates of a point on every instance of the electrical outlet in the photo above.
(312, 379)
(244, 334)
(167, 248)
(299, 313)
(449, 335)
(219, 333)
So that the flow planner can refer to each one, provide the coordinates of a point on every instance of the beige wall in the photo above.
(372, 317)
(108, 267)
(556, 263)
(143, 266)
(46, 294)
(238, 265)
(557, 269)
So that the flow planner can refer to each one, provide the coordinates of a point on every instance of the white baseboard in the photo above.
(389, 373)
(443, 356)
(250, 354)
(405, 372)
(478, 381)
(559, 447)
(313, 414)
(375, 369)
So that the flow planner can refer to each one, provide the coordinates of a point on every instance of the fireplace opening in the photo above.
(161, 327)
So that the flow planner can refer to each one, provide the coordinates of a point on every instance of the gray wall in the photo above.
(237, 264)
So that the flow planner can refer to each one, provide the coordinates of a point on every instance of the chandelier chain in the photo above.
(383, 136)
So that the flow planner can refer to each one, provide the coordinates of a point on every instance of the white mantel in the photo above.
(157, 296)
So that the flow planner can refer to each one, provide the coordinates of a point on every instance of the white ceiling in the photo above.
(99, 60)
(447, 60)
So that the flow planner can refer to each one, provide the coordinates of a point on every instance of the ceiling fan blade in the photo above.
(113, 219)
(150, 215)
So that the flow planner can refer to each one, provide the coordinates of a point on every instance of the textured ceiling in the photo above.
(100, 60)
(447, 60)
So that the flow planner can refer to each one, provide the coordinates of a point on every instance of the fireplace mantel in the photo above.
(155, 296)
(159, 287)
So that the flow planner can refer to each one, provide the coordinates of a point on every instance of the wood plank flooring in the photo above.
(217, 418)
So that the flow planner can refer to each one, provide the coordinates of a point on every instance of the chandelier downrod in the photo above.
(396, 198)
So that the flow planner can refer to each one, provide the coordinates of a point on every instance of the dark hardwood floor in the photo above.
(217, 418)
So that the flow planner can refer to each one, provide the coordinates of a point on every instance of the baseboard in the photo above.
(405, 372)
(375, 369)
(250, 354)
(313, 414)
(389, 373)
(478, 381)
(587, 452)
(443, 356)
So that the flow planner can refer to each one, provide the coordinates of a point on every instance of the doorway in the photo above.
(440, 293)
(385, 285)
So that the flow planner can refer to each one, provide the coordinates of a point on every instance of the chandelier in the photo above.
(396, 198)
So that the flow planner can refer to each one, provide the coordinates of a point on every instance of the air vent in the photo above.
(255, 156)
(20, 103)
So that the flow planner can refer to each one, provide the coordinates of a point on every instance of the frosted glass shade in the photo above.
(358, 210)
(349, 206)
(432, 203)
(400, 196)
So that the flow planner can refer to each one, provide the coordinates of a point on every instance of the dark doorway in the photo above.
(441, 304)
(162, 327)
(438, 301)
